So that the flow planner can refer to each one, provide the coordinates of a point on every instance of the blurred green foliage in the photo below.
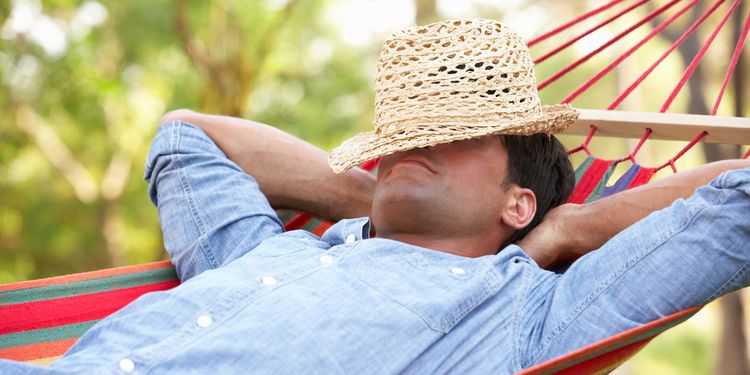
(78, 117)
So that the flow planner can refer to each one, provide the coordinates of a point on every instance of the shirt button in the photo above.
(269, 280)
(350, 238)
(204, 321)
(458, 271)
(326, 259)
(127, 365)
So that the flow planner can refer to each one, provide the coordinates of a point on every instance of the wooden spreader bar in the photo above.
(670, 126)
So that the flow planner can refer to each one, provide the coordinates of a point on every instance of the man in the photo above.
(437, 290)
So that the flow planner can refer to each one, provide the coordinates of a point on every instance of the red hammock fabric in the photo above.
(41, 319)
(44, 326)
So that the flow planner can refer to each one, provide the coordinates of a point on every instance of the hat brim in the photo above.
(369, 145)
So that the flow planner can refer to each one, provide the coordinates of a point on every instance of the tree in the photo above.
(732, 359)
(84, 84)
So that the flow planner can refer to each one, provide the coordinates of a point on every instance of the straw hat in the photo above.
(449, 81)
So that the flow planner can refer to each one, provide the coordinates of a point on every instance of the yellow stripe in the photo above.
(43, 361)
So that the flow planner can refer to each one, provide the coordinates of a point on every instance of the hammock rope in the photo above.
(619, 36)
(586, 85)
(650, 69)
(698, 57)
(666, 53)
(732, 63)
(686, 75)
(585, 145)
(681, 83)
(598, 26)
(685, 149)
(637, 147)
(573, 22)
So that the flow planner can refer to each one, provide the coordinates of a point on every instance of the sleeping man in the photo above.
(438, 265)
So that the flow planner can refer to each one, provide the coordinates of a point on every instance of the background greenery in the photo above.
(83, 84)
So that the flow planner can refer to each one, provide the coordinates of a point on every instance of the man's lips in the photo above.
(416, 160)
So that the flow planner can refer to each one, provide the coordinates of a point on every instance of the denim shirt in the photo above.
(256, 299)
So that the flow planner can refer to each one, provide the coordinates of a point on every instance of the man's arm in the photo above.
(290, 172)
(685, 255)
(571, 230)
(211, 212)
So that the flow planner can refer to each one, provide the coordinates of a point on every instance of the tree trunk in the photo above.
(426, 11)
(732, 357)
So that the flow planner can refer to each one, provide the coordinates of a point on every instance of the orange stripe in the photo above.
(38, 351)
(85, 275)
(617, 363)
(603, 363)
(321, 228)
(553, 365)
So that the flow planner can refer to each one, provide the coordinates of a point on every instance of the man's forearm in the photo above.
(617, 212)
(580, 229)
(290, 172)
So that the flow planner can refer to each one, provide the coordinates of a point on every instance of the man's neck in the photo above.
(470, 247)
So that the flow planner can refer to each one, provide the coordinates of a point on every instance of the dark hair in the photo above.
(538, 162)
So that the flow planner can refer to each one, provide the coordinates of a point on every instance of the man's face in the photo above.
(449, 189)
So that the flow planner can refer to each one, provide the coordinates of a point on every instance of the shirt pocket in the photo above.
(440, 288)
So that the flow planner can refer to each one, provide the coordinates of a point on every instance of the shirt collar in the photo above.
(337, 234)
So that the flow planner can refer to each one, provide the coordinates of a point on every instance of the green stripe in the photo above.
(45, 334)
(650, 333)
(597, 192)
(88, 286)
(312, 224)
(583, 167)
(286, 215)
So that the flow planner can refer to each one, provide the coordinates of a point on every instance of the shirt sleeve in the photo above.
(211, 212)
(686, 255)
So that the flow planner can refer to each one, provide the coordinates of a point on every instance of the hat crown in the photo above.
(454, 72)
(450, 81)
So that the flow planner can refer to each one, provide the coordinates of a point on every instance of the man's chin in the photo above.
(404, 193)
(405, 187)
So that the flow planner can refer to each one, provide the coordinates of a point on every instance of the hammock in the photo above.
(41, 319)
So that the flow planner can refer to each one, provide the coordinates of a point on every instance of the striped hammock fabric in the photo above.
(41, 319)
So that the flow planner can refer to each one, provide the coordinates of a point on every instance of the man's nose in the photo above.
(427, 152)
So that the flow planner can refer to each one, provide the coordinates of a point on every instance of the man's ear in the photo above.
(520, 207)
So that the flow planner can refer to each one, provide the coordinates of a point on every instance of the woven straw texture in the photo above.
(450, 81)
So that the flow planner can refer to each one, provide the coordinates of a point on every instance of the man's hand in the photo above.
(571, 231)
(552, 241)
(290, 172)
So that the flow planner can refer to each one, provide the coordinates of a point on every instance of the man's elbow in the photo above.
(181, 114)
